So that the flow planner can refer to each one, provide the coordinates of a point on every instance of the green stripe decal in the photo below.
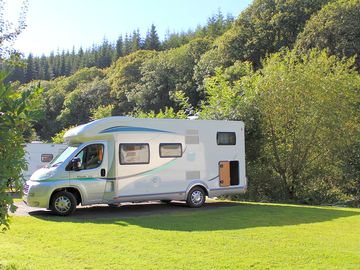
(161, 168)
(72, 179)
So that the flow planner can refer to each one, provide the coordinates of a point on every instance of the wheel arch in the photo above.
(200, 184)
(75, 191)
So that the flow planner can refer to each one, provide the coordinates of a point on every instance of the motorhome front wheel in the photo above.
(63, 203)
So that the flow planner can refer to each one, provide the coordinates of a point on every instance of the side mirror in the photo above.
(75, 164)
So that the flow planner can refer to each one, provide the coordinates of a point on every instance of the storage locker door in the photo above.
(224, 173)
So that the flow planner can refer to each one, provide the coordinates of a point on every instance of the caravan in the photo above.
(38, 155)
(125, 159)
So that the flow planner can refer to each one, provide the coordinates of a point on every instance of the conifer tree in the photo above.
(30, 68)
(119, 47)
(152, 41)
(136, 41)
(127, 44)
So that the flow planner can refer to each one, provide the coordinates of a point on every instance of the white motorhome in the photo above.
(39, 154)
(125, 159)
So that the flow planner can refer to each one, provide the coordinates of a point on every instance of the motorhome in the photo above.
(125, 159)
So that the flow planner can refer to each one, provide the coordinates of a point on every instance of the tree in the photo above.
(44, 69)
(127, 44)
(102, 111)
(15, 113)
(9, 33)
(105, 55)
(336, 27)
(53, 97)
(302, 120)
(80, 103)
(30, 69)
(167, 73)
(206, 67)
(308, 114)
(124, 77)
(217, 24)
(265, 27)
(174, 40)
(119, 48)
(136, 43)
(152, 41)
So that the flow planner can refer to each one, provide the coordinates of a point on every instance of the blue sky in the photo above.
(62, 24)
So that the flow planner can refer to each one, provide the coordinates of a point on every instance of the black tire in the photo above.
(165, 201)
(196, 197)
(63, 203)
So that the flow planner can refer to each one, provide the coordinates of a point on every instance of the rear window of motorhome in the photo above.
(226, 138)
(170, 150)
(134, 153)
(46, 157)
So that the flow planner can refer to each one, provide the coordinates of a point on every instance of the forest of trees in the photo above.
(65, 63)
(288, 69)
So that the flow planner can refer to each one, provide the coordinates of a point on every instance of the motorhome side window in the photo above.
(91, 156)
(226, 138)
(170, 150)
(134, 153)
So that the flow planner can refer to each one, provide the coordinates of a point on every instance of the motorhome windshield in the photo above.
(64, 155)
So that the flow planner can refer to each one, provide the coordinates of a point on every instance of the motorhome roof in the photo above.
(105, 126)
(84, 132)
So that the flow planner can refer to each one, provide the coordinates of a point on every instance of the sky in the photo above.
(56, 25)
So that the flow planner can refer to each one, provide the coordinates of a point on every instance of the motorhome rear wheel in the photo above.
(196, 197)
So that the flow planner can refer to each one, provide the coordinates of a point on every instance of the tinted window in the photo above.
(170, 150)
(91, 156)
(134, 153)
(226, 138)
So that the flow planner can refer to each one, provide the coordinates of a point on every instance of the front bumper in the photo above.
(36, 195)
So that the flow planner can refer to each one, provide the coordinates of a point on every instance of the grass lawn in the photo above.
(241, 236)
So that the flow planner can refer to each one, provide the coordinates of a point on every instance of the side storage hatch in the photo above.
(224, 173)
(229, 173)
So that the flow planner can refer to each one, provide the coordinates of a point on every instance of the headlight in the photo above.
(47, 175)
(38, 175)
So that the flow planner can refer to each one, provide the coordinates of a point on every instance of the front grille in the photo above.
(26, 189)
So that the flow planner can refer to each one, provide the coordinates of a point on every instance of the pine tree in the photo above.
(62, 68)
(67, 63)
(152, 41)
(18, 74)
(105, 54)
(136, 41)
(44, 69)
(51, 63)
(80, 58)
(127, 44)
(119, 47)
(30, 68)
(74, 62)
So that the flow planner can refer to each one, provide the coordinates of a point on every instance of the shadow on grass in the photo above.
(214, 216)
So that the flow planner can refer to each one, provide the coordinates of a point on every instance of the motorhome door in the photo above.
(93, 171)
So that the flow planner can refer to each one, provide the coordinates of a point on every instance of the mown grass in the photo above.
(240, 236)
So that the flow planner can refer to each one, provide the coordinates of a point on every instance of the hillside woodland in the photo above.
(288, 69)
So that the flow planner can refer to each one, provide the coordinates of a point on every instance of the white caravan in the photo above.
(125, 159)
(38, 155)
